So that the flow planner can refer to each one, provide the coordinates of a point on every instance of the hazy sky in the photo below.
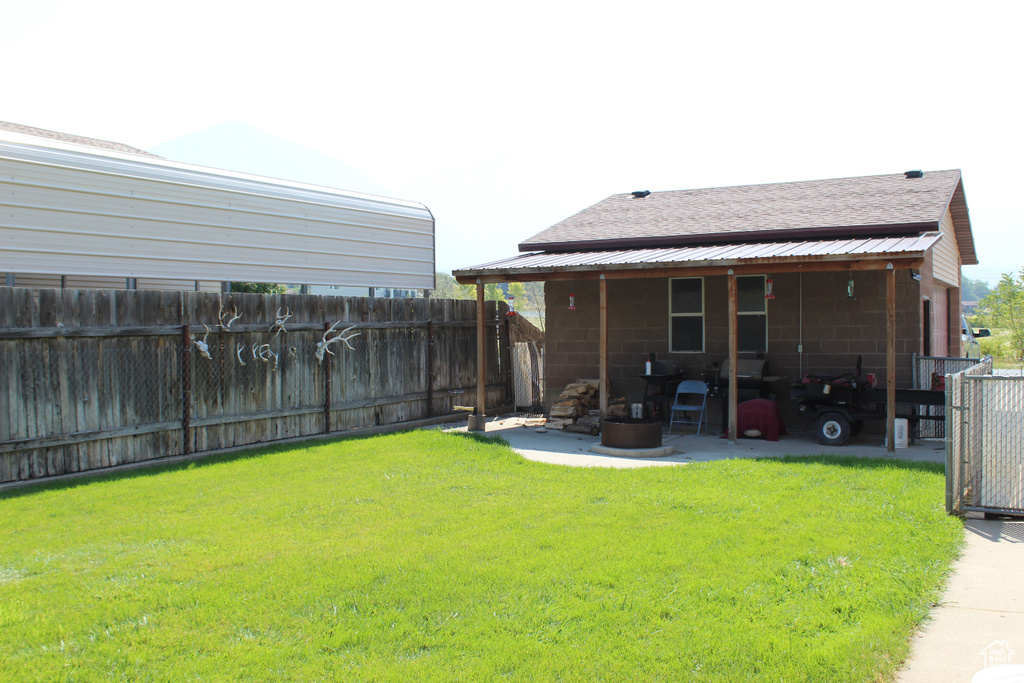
(532, 111)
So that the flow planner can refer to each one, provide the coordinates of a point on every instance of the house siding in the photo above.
(41, 281)
(835, 328)
(946, 255)
(71, 210)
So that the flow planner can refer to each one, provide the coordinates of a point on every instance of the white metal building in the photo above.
(88, 215)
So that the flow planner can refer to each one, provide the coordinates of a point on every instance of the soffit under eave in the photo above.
(962, 226)
(831, 263)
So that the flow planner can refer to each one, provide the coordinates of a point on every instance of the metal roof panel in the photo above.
(727, 252)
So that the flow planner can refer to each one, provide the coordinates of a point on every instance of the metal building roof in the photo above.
(721, 255)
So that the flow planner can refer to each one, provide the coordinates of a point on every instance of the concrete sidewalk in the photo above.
(979, 621)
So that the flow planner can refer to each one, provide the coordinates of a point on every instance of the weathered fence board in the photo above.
(97, 378)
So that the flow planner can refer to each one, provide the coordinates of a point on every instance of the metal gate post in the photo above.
(949, 444)
(327, 387)
(507, 354)
(430, 368)
(962, 414)
(186, 390)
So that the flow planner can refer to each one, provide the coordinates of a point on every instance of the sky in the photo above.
(504, 118)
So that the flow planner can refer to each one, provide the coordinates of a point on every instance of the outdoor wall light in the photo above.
(849, 289)
(572, 302)
(768, 289)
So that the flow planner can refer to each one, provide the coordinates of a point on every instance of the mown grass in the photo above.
(1000, 347)
(432, 556)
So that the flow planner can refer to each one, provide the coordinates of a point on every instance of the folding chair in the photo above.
(691, 397)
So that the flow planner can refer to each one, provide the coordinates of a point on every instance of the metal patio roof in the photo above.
(771, 256)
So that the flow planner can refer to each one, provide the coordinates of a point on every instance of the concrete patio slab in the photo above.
(534, 442)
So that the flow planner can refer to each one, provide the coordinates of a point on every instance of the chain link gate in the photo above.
(929, 372)
(984, 442)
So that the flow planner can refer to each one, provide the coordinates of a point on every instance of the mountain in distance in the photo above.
(240, 147)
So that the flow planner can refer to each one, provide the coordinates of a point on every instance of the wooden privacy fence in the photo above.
(96, 378)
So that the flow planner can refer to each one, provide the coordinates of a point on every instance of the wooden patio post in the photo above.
(733, 355)
(890, 359)
(478, 420)
(603, 349)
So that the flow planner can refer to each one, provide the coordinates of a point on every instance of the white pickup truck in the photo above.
(969, 336)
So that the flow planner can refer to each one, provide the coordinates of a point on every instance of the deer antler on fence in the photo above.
(264, 353)
(322, 346)
(234, 312)
(204, 348)
(278, 326)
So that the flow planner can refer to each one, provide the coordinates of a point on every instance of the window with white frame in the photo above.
(752, 321)
(686, 314)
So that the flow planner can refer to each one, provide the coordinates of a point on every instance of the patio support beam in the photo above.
(733, 355)
(703, 269)
(603, 349)
(478, 420)
(890, 360)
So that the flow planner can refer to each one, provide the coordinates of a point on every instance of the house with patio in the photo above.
(807, 276)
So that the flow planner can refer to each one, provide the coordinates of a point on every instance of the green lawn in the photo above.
(433, 556)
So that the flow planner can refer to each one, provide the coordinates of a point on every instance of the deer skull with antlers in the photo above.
(278, 326)
(204, 348)
(322, 346)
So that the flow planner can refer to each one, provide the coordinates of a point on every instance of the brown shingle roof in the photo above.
(843, 207)
(73, 139)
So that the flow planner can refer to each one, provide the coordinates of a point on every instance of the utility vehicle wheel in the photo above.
(832, 429)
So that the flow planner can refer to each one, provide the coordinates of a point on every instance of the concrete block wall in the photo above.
(832, 328)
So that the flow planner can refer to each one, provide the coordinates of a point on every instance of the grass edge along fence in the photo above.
(91, 379)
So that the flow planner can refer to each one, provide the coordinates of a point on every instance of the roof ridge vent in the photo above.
(640, 194)
(914, 174)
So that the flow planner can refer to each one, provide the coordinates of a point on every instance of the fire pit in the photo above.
(630, 433)
(632, 439)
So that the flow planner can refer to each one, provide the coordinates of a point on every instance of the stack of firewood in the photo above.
(578, 408)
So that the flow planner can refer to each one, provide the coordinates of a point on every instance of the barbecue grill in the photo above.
(661, 383)
(750, 384)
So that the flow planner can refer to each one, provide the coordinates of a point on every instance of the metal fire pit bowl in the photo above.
(631, 434)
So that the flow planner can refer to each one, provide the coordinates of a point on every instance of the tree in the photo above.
(517, 290)
(493, 292)
(448, 288)
(257, 287)
(1004, 309)
(973, 290)
(533, 307)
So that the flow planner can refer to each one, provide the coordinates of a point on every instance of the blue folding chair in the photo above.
(691, 397)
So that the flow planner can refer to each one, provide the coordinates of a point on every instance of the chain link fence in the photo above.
(984, 441)
(929, 372)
